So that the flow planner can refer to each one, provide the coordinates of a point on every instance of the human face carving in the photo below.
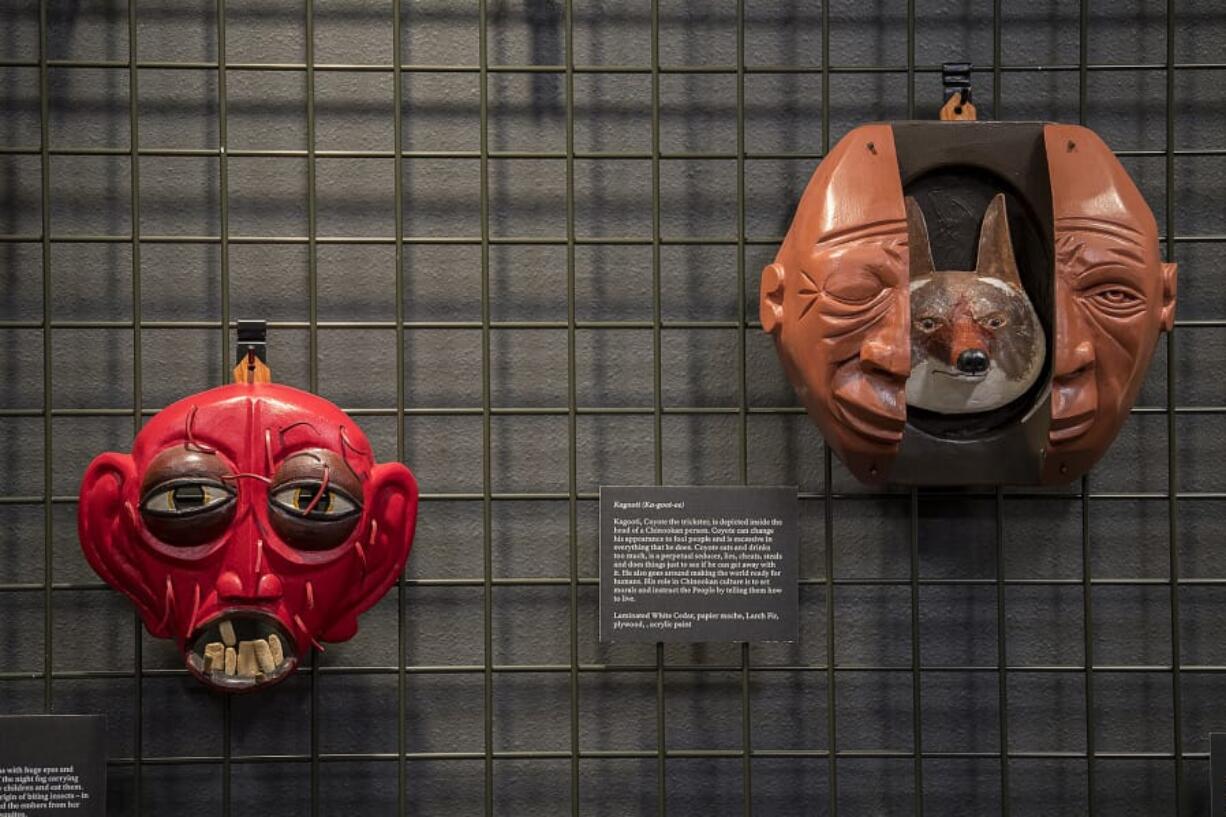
(835, 300)
(1114, 296)
(855, 317)
(249, 523)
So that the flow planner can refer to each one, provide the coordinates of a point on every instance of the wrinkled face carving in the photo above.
(976, 341)
(835, 300)
(1114, 296)
(249, 523)
(865, 326)
(850, 309)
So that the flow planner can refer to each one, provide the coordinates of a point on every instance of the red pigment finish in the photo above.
(249, 523)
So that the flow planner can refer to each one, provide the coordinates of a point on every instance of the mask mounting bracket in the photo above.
(251, 365)
(956, 84)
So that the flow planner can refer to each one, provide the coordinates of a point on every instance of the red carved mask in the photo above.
(249, 523)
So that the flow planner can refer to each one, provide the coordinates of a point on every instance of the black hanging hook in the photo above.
(956, 79)
(252, 340)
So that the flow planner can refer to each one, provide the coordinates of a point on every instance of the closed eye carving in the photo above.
(842, 322)
(854, 288)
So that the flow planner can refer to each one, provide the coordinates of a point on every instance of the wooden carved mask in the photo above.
(1014, 356)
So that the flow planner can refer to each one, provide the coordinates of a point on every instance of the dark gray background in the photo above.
(1128, 710)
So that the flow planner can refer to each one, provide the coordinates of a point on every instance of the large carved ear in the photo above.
(918, 248)
(996, 247)
(108, 531)
(387, 537)
(770, 303)
(1170, 272)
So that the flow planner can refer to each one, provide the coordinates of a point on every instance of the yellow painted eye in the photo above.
(296, 498)
(304, 496)
(929, 324)
(186, 498)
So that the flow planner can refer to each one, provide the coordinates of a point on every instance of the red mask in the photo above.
(249, 523)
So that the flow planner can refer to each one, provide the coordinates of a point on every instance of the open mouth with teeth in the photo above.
(241, 650)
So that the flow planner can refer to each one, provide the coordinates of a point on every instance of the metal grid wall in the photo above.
(879, 672)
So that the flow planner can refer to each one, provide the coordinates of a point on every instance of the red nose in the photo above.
(967, 336)
(231, 588)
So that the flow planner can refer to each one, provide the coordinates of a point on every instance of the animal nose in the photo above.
(973, 361)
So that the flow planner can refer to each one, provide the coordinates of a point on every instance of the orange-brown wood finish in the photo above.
(835, 300)
(955, 110)
(837, 297)
(252, 370)
(1114, 295)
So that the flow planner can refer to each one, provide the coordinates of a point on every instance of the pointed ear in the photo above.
(1170, 271)
(387, 537)
(995, 258)
(108, 532)
(917, 242)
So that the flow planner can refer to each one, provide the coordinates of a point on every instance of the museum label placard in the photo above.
(52, 764)
(688, 564)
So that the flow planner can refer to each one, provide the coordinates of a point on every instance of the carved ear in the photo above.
(996, 247)
(917, 242)
(770, 303)
(391, 503)
(108, 533)
(1170, 271)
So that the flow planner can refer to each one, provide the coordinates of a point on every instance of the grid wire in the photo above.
(665, 756)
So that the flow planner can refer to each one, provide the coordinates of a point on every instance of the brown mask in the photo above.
(1113, 297)
(835, 300)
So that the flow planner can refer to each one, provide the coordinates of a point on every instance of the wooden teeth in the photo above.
(227, 633)
(243, 659)
(263, 655)
(274, 648)
(246, 659)
(215, 657)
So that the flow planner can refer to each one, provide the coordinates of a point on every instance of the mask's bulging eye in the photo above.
(184, 498)
(188, 511)
(314, 502)
(298, 498)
